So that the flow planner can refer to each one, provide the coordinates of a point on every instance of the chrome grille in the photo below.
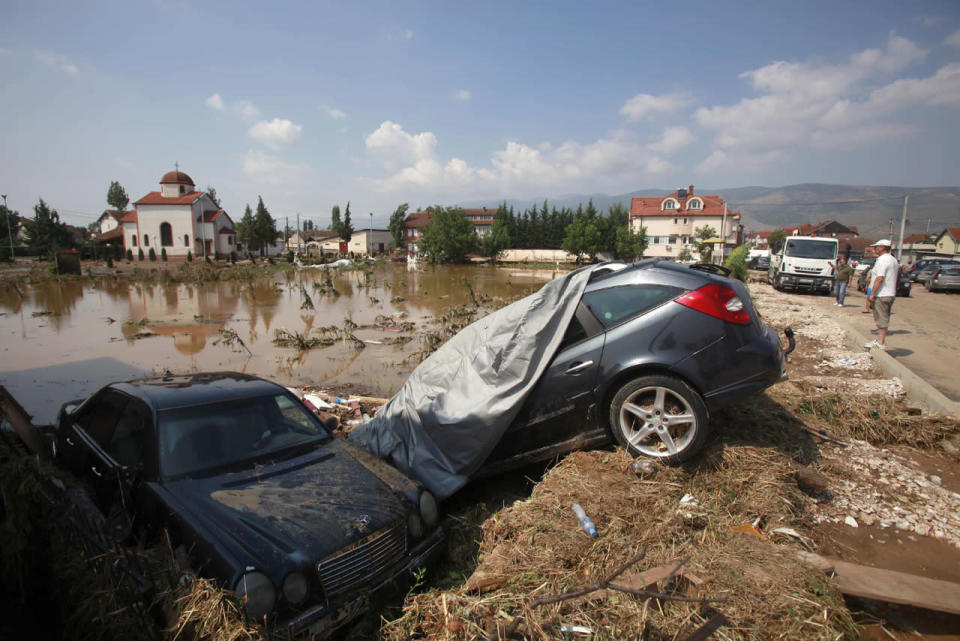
(347, 570)
(807, 270)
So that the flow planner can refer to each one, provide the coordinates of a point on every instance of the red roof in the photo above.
(915, 238)
(155, 198)
(176, 178)
(652, 206)
(417, 219)
(113, 234)
(955, 232)
(129, 217)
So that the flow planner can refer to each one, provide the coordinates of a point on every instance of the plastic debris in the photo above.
(317, 402)
(789, 531)
(585, 523)
(643, 467)
(689, 500)
(575, 629)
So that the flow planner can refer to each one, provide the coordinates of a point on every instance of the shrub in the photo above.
(153, 254)
(117, 252)
(290, 256)
(217, 256)
(163, 254)
(140, 254)
(233, 257)
(130, 255)
(737, 262)
(189, 256)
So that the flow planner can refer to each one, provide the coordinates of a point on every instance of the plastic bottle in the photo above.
(585, 521)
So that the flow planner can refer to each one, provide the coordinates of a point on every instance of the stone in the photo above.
(852, 522)
(866, 519)
(811, 481)
(936, 480)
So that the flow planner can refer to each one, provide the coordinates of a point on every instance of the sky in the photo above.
(312, 104)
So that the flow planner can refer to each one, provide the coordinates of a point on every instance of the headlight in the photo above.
(257, 593)
(295, 588)
(428, 508)
(414, 526)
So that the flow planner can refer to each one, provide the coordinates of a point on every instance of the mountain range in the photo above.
(869, 208)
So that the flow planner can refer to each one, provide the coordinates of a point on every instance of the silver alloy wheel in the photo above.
(657, 421)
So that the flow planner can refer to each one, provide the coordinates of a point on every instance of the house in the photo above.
(917, 247)
(314, 241)
(370, 241)
(671, 221)
(413, 226)
(948, 243)
(825, 229)
(758, 239)
(178, 219)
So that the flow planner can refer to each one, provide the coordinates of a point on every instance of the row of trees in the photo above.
(44, 236)
(343, 226)
(255, 231)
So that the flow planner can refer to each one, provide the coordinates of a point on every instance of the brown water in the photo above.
(97, 332)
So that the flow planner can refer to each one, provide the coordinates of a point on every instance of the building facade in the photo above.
(672, 221)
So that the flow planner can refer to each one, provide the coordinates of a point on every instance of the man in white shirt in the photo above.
(883, 291)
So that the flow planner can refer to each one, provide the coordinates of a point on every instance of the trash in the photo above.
(749, 528)
(789, 531)
(847, 361)
(689, 500)
(585, 523)
(576, 629)
(643, 467)
(317, 402)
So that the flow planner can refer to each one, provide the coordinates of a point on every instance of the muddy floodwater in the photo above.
(63, 340)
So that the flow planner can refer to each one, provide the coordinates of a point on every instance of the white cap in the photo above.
(882, 243)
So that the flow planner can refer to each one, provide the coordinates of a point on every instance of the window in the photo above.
(617, 304)
(684, 221)
(673, 240)
(674, 221)
(695, 203)
(100, 417)
(130, 437)
(166, 235)
(134, 239)
(186, 240)
(229, 240)
(146, 240)
(669, 204)
(574, 334)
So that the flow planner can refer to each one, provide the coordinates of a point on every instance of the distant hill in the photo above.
(867, 208)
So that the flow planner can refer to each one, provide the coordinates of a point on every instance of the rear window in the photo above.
(951, 271)
(617, 304)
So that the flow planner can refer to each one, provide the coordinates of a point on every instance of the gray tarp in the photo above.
(455, 406)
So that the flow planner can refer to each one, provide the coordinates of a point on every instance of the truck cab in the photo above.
(803, 264)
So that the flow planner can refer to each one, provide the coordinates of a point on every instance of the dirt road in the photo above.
(924, 332)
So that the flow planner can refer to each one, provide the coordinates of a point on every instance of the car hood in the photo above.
(306, 507)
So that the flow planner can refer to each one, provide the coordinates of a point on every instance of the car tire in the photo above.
(637, 414)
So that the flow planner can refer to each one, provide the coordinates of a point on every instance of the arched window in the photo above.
(669, 203)
(166, 235)
(695, 203)
(146, 240)
(186, 240)
(134, 239)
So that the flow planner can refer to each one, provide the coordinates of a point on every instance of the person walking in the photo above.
(843, 274)
(882, 291)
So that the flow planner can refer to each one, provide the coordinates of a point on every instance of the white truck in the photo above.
(803, 263)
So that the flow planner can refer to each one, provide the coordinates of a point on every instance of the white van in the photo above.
(803, 263)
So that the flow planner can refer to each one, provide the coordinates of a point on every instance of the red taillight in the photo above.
(717, 301)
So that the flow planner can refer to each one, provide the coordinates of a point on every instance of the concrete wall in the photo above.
(537, 256)
(366, 241)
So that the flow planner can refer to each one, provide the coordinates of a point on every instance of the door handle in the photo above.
(578, 367)
(93, 468)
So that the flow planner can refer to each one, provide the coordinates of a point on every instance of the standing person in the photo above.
(843, 274)
(882, 291)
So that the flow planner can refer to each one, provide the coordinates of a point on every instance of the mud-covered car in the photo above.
(305, 527)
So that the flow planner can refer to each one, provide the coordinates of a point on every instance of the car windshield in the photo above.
(798, 248)
(233, 433)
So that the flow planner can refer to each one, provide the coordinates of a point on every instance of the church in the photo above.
(178, 219)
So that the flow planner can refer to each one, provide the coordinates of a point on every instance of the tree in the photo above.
(335, 221)
(307, 225)
(265, 227)
(213, 195)
(582, 237)
(117, 196)
(11, 218)
(48, 233)
(448, 237)
(737, 262)
(246, 228)
(630, 246)
(346, 227)
(703, 234)
(498, 239)
(777, 236)
(396, 224)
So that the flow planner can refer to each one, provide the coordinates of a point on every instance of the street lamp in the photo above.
(6, 214)
(370, 237)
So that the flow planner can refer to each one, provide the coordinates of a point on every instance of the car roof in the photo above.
(617, 273)
(165, 392)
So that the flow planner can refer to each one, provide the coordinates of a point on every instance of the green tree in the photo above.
(265, 227)
(737, 262)
(245, 229)
(685, 254)
(396, 224)
(498, 238)
(213, 195)
(630, 246)
(48, 233)
(153, 255)
(335, 221)
(582, 237)
(140, 254)
(703, 234)
(346, 227)
(9, 220)
(448, 237)
(776, 239)
(117, 196)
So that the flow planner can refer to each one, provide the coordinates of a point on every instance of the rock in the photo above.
(852, 522)
(936, 480)
(914, 410)
(866, 519)
(811, 481)
(903, 524)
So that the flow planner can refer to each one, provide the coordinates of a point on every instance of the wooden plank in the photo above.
(20, 421)
(891, 586)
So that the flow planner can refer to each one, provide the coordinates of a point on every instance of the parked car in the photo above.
(921, 265)
(945, 279)
(653, 349)
(904, 286)
(301, 525)
(759, 262)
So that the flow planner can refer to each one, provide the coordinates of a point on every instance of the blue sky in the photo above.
(316, 103)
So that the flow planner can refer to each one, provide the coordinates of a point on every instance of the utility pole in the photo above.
(928, 226)
(299, 233)
(6, 215)
(370, 237)
(891, 229)
(723, 238)
(903, 224)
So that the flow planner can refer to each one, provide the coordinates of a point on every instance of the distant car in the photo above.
(904, 286)
(921, 265)
(945, 279)
(759, 262)
(653, 349)
(299, 524)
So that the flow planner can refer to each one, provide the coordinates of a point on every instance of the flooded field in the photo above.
(63, 340)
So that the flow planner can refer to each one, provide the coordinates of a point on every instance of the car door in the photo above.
(93, 422)
(561, 404)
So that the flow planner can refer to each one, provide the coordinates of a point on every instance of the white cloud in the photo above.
(215, 102)
(270, 169)
(643, 104)
(953, 39)
(824, 106)
(60, 62)
(334, 113)
(245, 109)
(276, 133)
(673, 139)
(463, 95)
(517, 168)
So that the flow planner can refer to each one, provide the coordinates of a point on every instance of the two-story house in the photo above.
(672, 220)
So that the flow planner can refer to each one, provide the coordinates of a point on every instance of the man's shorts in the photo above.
(881, 311)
